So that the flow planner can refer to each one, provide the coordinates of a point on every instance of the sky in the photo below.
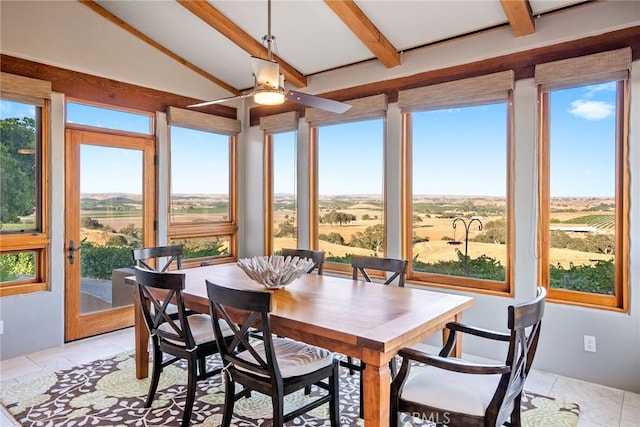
(460, 151)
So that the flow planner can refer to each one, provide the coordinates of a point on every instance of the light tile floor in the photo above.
(600, 406)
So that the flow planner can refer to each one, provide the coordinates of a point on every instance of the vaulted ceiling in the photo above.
(215, 38)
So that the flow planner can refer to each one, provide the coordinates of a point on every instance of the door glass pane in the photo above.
(285, 221)
(582, 220)
(110, 224)
(199, 176)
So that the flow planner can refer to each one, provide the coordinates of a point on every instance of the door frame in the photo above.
(78, 325)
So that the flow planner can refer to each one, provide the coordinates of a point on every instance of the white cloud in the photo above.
(594, 89)
(591, 110)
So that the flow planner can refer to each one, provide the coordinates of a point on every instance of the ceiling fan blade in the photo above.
(317, 102)
(266, 72)
(221, 100)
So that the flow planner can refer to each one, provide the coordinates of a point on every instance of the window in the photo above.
(24, 221)
(202, 196)
(280, 181)
(348, 182)
(285, 218)
(583, 227)
(108, 118)
(458, 204)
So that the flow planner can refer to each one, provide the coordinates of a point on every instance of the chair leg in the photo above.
(515, 413)
(278, 409)
(229, 399)
(192, 375)
(393, 368)
(156, 370)
(202, 366)
(350, 363)
(334, 403)
(361, 395)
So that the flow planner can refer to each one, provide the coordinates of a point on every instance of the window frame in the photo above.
(619, 301)
(268, 191)
(38, 241)
(271, 125)
(458, 282)
(228, 228)
(314, 217)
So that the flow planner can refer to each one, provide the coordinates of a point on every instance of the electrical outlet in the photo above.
(590, 343)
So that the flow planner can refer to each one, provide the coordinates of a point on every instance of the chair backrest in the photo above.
(170, 329)
(363, 263)
(316, 256)
(173, 253)
(524, 322)
(256, 305)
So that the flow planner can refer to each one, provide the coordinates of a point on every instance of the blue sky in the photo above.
(456, 151)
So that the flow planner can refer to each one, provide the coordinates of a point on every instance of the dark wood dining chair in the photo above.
(316, 256)
(152, 258)
(272, 366)
(362, 265)
(459, 393)
(178, 334)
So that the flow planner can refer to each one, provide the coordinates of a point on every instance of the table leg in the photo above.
(141, 341)
(457, 347)
(377, 392)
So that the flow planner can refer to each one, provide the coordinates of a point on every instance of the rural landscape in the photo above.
(581, 237)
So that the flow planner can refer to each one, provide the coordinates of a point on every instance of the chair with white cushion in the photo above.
(181, 334)
(451, 391)
(272, 366)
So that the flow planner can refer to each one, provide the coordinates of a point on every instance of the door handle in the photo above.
(72, 252)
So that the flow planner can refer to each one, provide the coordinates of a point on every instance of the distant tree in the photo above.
(559, 239)
(287, 229)
(118, 240)
(493, 232)
(600, 243)
(416, 219)
(130, 230)
(18, 179)
(335, 217)
(417, 239)
(371, 238)
(366, 217)
(332, 237)
(90, 223)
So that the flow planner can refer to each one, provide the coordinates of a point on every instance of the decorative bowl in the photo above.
(275, 271)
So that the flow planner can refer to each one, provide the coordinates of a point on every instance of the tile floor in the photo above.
(600, 406)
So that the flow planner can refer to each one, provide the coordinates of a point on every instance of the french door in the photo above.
(109, 210)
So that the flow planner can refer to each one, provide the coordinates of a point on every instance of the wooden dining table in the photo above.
(367, 321)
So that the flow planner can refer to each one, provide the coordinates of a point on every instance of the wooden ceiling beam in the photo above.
(520, 16)
(212, 16)
(122, 24)
(366, 31)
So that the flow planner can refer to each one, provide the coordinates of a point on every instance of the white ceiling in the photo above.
(309, 35)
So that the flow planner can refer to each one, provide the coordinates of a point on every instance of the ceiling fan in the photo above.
(268, 88)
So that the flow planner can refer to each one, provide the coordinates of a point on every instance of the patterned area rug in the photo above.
(107, 393)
